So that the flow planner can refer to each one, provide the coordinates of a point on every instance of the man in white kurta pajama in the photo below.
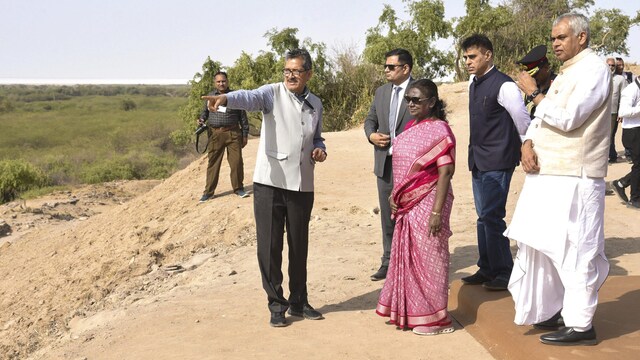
(558, 222)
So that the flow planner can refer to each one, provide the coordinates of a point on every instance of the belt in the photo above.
(225, 128)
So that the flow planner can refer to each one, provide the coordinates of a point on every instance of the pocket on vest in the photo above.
(277, 155)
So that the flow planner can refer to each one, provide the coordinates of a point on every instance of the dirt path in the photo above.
(97, 288)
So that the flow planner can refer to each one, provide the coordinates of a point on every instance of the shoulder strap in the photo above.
(638, 81)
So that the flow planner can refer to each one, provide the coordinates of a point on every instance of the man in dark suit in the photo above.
(387, 118)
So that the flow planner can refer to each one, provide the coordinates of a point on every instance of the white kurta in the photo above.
(558, 222)
(560, 264)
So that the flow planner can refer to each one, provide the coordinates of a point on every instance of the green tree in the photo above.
(610, 30)
(283, 40)
(481, 18)
(418, 35)
(349, 90)
(250, 72)
(201, 84)
(519, 25)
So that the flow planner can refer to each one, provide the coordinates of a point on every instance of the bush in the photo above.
(128, 105)
(6, 105)
(17, 176)
(156, 167)
(131, 167)
(151, 166)
(59, 168)
(116, 169)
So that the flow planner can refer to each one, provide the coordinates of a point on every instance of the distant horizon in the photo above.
(17, 81)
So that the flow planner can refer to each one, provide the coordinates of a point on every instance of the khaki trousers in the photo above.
(219, 140)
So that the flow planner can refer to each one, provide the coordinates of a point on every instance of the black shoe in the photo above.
(475, 279)
(496, 284)
(307, 311)
(206, 197)
(619, 190)
(569, 337)
(553, 323)
(381, 274)
(278, 320)
(242, 194)
(634, 205)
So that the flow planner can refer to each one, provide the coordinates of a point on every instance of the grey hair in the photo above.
(577, 22)
(300, 53)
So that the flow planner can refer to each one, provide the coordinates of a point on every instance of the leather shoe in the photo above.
(307, 311)
(569, 337)
(553, 323)
(381, 274)
(475, 279)
(496, 284)
(617, 188)
(278, 320)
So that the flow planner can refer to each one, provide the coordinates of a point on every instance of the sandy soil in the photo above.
(99, 273)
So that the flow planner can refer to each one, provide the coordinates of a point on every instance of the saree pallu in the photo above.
(415, 291)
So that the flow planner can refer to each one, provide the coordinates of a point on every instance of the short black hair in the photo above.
(221, 73)
(300, 53)
(478, 40)
(404, 56)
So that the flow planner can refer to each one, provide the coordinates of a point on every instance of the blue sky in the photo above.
(165, 39)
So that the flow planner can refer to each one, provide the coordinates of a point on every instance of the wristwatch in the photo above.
(533, 95)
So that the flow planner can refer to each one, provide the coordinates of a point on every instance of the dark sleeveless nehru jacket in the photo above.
(494, 143)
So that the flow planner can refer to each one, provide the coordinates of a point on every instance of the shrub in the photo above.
(128, 105)
(6, 105)
(59, 168)
(17, 176)
(156, 167)
(115, 169)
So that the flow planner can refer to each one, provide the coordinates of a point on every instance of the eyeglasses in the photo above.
(296, 72)
(612, 65)
(392, 67)
(415, 100)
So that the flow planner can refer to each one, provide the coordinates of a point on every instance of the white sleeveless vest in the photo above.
(286, 142)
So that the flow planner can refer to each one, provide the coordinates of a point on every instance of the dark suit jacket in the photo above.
(378, 121)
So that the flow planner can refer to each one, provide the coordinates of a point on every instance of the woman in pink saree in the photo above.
(415, 292)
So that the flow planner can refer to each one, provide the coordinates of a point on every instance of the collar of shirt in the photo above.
(403, 86)
(303, 97)
(478, 79)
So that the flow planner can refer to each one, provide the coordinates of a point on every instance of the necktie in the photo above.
(393, 111)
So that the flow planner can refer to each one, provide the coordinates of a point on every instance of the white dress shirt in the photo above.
(510, 98)
(630, 105)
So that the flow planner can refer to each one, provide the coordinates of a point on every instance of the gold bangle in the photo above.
(435, 213)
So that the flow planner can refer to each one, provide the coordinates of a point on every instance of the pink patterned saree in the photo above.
(415, 291)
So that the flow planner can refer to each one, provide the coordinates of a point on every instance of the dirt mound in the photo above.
(87, 250)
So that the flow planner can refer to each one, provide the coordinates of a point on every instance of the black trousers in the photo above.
(631, 140)
(385, 187)
(613, 154)
(276, 209)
